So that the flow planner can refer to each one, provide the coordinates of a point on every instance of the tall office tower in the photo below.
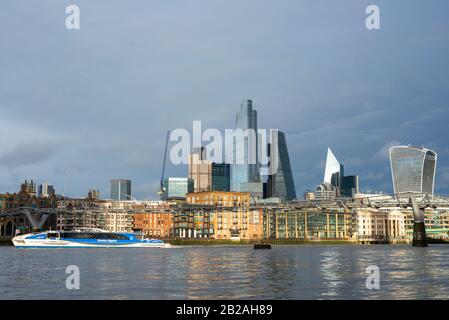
(245, 175)
(121, 189)
(177, 188)
(332, 167)
(200, 170)
(349, 186)
(413, 169)
(280, 184)
(221, 177)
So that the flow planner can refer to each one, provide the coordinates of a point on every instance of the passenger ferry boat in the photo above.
(85, 238)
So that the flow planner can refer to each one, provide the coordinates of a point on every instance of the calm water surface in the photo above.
(235, 272)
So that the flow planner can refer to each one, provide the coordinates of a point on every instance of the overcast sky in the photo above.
(81, 107)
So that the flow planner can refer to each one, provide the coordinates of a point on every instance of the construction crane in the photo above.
(162, 190)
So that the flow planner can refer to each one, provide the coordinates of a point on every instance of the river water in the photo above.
(227, 272)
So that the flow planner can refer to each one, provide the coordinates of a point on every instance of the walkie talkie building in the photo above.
(413, 169)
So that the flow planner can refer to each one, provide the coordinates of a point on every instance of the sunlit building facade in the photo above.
(200, 170)
(307, 224)
(377, 225)
(154, 221)
(230, 217)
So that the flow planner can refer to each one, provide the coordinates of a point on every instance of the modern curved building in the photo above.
(413, 169)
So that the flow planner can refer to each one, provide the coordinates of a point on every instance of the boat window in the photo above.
(111, 236)
(52, 235)
(93, 235)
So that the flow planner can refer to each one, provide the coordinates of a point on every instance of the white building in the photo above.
(332, 166)
(378, 225)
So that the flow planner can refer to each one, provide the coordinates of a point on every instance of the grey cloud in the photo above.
(311, 68)
(30, 153)
(383, 153)
(442, 180)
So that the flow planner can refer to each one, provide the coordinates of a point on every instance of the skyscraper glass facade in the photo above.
(177, 188)
(281, 184)
(332, 167)
(349, 186)
(221, 177)
(413, 169)
(121, 189)
(245, 175)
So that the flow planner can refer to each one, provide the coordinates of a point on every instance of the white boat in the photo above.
(85, 238)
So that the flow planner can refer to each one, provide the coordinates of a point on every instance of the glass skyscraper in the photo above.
(177, 188)
(120, 189)
(413, 169)
(349, 186)
(333, 167)
(245, 176)
(221, 177)
(281, 184)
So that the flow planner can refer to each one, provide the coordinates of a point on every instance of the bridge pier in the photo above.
(419, 235)
(419, 228)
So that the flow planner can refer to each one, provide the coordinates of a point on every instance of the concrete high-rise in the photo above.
(200, 170)
(413, 169)
(121, 189)
(245, 176)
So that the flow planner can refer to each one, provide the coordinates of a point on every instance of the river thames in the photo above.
(227, 272)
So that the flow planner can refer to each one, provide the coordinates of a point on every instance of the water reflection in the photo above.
(286, 272)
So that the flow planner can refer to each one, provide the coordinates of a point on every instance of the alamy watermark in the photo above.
(234, 146)
(372, 22)
(73, 280)
(72, 21)
(373, 280)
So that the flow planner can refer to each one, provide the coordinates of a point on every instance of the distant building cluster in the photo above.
(335, 183)
(226, 201)
(242, 175)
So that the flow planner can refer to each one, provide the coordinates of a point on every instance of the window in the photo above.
(52, 235)
(93, 235)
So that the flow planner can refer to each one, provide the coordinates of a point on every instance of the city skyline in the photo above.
(107, 101)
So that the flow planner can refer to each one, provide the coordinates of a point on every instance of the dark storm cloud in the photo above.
(111, 89)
